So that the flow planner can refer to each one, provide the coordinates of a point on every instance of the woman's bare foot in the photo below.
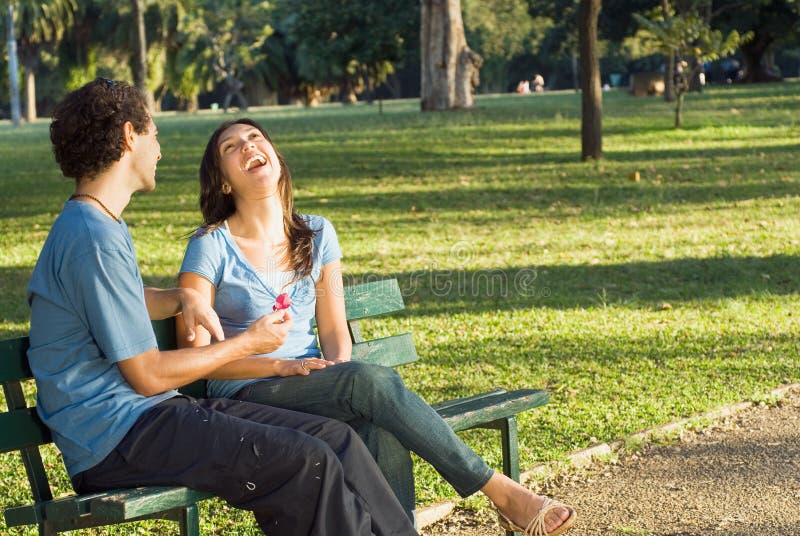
(520, 505)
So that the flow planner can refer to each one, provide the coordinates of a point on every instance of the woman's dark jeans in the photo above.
(390, 419)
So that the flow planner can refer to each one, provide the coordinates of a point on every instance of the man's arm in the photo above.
(196, 309)
(154, 371)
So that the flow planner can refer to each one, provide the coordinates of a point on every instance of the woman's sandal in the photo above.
(537, 526)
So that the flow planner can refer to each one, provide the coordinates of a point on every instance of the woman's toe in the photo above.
(555, 518)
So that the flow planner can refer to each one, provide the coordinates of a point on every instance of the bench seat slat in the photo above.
(388, 351)
(478, 412)
(126, 504)
(22, 428)
(69, 507)
(24, 515)
(440, 406)
(107, 507)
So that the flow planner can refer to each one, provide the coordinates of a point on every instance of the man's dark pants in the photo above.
(300, 474)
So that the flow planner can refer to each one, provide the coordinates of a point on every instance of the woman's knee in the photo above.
(377, 376)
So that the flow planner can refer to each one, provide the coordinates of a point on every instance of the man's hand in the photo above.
(198, 312)
(269, 332)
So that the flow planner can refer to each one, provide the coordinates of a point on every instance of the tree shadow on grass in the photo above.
(599, 200)
(641, 285)
(378, 162)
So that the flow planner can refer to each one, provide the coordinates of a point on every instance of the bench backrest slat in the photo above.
(14, 360)
(26, 431)
(374, 298)
(22, 428)
(389, 351)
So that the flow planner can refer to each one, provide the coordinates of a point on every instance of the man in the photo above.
(107, 392)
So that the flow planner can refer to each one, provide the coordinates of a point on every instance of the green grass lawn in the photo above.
(634, 303)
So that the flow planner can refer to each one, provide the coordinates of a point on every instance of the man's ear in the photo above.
(129, 134)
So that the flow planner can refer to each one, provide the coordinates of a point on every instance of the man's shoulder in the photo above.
(77, 233)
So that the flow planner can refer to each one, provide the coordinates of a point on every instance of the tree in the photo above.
(772, 22)
(499, 30)
(353, 47)
(591, 91)
(224, 37)
(561, 41)
(693, 42)
(13, 69)
(449, 68)
(140, 52)
(38, 25)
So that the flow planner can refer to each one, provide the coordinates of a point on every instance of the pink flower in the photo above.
(282, 302)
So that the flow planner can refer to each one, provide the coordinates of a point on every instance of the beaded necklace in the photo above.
(75, 196)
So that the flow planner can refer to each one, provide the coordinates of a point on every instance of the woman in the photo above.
(251, 248)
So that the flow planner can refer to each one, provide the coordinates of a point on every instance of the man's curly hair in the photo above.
(86, 129)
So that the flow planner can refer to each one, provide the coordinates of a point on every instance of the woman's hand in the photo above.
(299, 367)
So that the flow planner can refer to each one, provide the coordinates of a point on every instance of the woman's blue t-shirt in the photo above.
(245, 294)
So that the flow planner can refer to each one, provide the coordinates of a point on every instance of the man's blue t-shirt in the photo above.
(87, 313)
(245, 294)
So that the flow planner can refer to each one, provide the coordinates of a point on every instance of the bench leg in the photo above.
(510, 441)
(189, 521)
(46, 529)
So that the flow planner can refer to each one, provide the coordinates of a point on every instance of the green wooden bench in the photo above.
(21, 430)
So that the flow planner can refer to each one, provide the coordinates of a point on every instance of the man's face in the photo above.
(148, 153)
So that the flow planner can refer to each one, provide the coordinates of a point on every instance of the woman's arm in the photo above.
(263, 367)
(242, 369)
(334, 337)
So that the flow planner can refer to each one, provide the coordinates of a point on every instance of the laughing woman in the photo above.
(253, 247)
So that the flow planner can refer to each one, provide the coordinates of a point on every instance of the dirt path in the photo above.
(740, 477)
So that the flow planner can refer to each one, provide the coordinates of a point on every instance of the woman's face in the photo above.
(248, 162)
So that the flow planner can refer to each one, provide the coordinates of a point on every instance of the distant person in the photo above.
(108, 393)
(524, 87)
(252, 248)
(537, 83)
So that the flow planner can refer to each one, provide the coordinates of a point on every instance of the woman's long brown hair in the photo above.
(216, 206)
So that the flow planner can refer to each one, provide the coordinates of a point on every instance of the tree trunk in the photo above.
(140, 54)
(679, 110)
(30, 93)
(669, 78)
(234, 86)
(13, 67)
(449, 69)
(591, 91)
(669, 73)
(576, 83)
(753, 54)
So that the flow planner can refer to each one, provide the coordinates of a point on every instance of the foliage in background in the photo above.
(351, 47)
(775, 24)
(693, 43)
(40, 26)
(499, 30)
(224, 37)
